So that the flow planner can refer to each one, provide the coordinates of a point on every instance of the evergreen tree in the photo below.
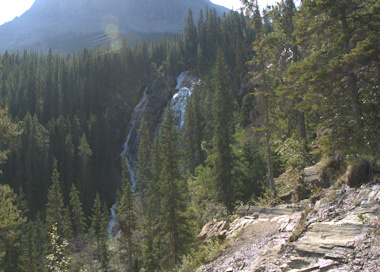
(84, 153)
(262, 61)
(149, 249)
(78, 219)
(223, 127)
(125, 214)
(7, 131)
(22, 203)
(67, 226)
(143, 159)
(54, 206)
(193, 133)
(11, 226)
(98, 231)
(153, 196)
(331, 71)
(282, 51)
(41, 240)
(289, 30)
(31, 255)
(190, 41)
(172, 188)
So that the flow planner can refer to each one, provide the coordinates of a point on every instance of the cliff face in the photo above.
(51, 18)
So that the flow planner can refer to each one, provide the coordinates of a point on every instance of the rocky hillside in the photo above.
(336, 230)
(52, 18)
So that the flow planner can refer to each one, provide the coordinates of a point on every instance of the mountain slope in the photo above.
(52, 18)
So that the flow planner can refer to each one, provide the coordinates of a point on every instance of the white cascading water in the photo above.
(133, 126)
(185, 86)
(179, 100)
(112, 222)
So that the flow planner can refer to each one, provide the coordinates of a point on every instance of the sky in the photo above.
(236, 4)
(9, 9)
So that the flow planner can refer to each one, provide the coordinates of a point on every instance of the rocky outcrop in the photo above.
(340, 232)
(213, 229)
(270, 212)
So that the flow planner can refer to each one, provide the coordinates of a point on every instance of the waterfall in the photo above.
(184, 87)
(112, 222)
(130, 142)
(178, 102)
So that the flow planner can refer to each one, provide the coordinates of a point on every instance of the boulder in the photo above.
(214, 228)
(312, 175)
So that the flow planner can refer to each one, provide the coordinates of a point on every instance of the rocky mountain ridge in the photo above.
(337, 231)
(113, 18)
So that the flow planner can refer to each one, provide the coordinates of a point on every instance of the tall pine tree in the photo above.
(54, 206)
(125, 214)
(172, 188)
(78, 219)
(223, 105)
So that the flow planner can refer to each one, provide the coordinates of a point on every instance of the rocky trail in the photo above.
(338, 232)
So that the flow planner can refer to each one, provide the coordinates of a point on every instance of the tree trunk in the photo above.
(348, 69)
(269, 155)
(130, 260)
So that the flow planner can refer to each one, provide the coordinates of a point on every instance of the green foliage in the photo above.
(172, 219)
(223, 128)
(201, 191)
(292, 153)
(193, 133)
(250, 170)
(125, 212)
(54, 206)
(57, 260)
(205, 253)
(98, 231)
(7, 131)
(60, 98)
(85, 153)
(30, 258)
(11, 226)
(78, 219)
(333, 76)
(143, 161)
(312, 88)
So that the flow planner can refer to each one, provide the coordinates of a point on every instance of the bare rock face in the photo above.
(340, 232)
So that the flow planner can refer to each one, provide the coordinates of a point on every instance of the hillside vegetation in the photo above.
(280, 89)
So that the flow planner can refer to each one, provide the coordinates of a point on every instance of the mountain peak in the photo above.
(52, 18)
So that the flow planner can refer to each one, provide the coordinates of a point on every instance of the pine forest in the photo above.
(279, 89)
